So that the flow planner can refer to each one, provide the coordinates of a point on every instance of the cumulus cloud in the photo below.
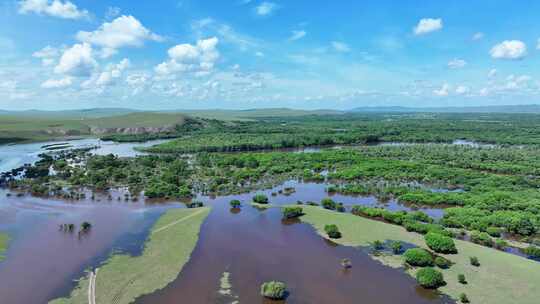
(47, 55)
(55, 8)
(457, 63)
(461, 90)
(443, 91)
(77, 61)
(509, 49)
(191, 58)
(124, 31)
(428, 25)
(113, 72)
(265, 8)
(296, 35)
(341, 47)
(57, 83)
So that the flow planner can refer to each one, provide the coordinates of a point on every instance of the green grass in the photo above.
(123, 278)
(42, 128)
(501, 278)
(4, 240)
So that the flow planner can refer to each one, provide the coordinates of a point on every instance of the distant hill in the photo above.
(479, 109)
(70, 114)
(255, 113)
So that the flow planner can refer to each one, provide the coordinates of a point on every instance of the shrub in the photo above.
(346, 263)
(494, 231)
(274, 290)
(260, 199)
(440, 243)
(235, 203)
(292, 212)
(463, 298)
(332, 231)
(340, 207)
(481, 238)
(328, 203)
(442, 262)
(500, 244)
(429, 278)
(418, 257)
(396, 247)
(474, 261)
(195, 204)
(461, 278)
(532, 251)
(378, 245)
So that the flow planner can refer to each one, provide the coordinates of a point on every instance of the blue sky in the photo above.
(187, 54)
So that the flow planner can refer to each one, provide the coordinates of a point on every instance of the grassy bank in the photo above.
(501, 278)
(122, 278)
(4, 239)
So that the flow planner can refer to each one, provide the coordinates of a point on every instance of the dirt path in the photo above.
(92, 287)
(178, 221)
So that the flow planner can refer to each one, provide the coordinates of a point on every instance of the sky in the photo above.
(243, 54)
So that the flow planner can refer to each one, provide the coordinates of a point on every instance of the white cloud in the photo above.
(492, 73)
(77, 61)
(112, 73)
(484, 92)
(259, 54)
(340, 47)
(112, 11)
(461, 90)
(428, 25)
(457, 63)
(538, 44)
(295, 35)
(55, 8)
(266, 8)
(199, 58)
(477, 36)
(124, 31)
(47, 55)
(443, 91)
(57, 83)
(509, 49)
(517, 82)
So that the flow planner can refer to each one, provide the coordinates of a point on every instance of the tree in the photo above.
(235, 203)
(328, 203)
(332, 231)
(274, 290)
(418, 257)
(292, 212)
(260, 199)
(440, 243)
(429, 278)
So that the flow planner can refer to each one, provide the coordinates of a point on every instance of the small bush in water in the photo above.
(274, 290)
(442, 262)
(328, 203)
(260, 199)
(463, 298)
(396, 247)
(235, 203)
(429, 278)
(461, 278)
(292, 212)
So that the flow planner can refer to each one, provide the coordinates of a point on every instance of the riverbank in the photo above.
(500, 277)
(4, 240)
(123, 278)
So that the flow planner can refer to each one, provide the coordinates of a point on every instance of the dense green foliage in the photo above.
(260, 199)
(442, 262)
(440, 243)
(418, 257)
(292, 212)
(274, 290)
(430, 278)
(474, 261)
(332, 231)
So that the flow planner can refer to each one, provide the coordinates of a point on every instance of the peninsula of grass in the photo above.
(123, 278)
(4, 239)
(500, 277)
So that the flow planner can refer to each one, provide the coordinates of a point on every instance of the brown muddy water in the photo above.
(252, 245)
